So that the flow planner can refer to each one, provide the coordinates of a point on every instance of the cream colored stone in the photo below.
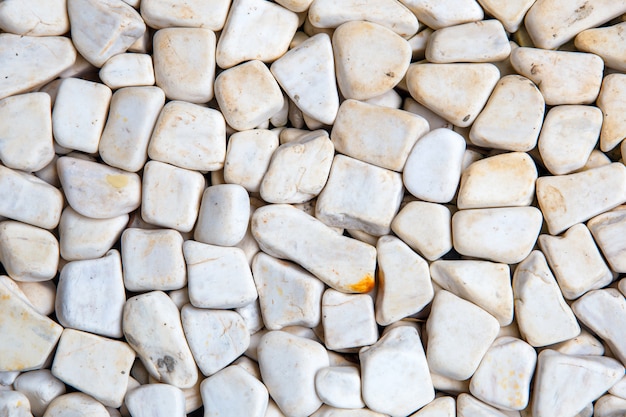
(34, 17)
(348, 320)
(607, 42)
(358, 75)
(619, 389)
(248, 157)
(563, 77)
(41, 295)
(76, 404)
(160, 14)
(128, 70)
(583, 344)
(612, 106)
(437, 14)
(608, 231)
(456, 92)
(156, 400)
(512, 118)
(509, 13)
(14, 403)
(28, 253)
(40, 387)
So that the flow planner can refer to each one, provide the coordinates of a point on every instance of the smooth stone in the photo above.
(153, 260)
(97, 190)
(583, 344)
(127, 70)
(612, 106)
(19, 17)
(439, 407)
(28, 253)
(94, 365)
(233, 392)
(28, 337)
(216, 338)
(569, 199)
(41, 295)
(40, 387)
(348, 320)
(486, 284)
(76, 404)
(619, 389)
(368, 205)
(551, 23)
(360, 127)
(252, 316)
(504, 235)
(26, 131)
(192, 49)
(328, 411)
(156, 400)
(342, 263)
(510, 13)
(608, 231)
(543, 316)
(288, 366)
(248, 94)
(512, 118)
(604, 313)
(224, 215)
(419, 43)
(79, 114)
(14, 404)
(394, 373)
(307, 74)
(288, 295)
(270, 25)
(91, 295)
(484, 41)
(390, 99)
(596, 159)
(434, 120)
(568, 136)
(32, 61)
(504, 375)
(449, 385)
(438, 14)
(565, 384)
(248, 156)
(404, 285)
(160, 14)
(189, 136)
(563, 77)
(101, 29)
(6, 378)
(456, 92)
(609, 406)
(576, 261)
(132, 117)
(468, 406)
(606, 42)
(171, 196)
(153, 329)
(459, 335)
(425, 227)
(358, 75)
(339, 386)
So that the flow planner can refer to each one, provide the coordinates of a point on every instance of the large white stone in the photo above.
(248, 157)
(76, 404)
(28, 253)
(40, 387)
(608, 231)
(233, 392)
(437, 14)
(224, 215)
(339, 386)
(196, 13)
(155, 400)
(348, 320)
(127, 70)
(34, 17)
(613, 108)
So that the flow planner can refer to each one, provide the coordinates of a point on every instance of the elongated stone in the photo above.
(613, 108)
(34, 17)
(28, 253)
(583, 344)
(127, 70)
(159, 14)
(344, 264)
(76, 404)
(437, 14)
(608, 231)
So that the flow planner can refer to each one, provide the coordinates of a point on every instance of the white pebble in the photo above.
(608, 232)
(348, 320)
(28, 253)
(76, 404)
(34, 17)
(224, 214)
(127, 70)
(40, 387)
(233, 392)
(196, 13)
(339, 386)
(155, 400)
(248, 157)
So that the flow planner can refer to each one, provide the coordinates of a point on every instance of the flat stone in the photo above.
(565, 384)
(307, 74)
(404, 285)
(222, 394)
(28, 253)
(583, 344)
(339, 386)
(128, 70)
(563, 77)
(360, 127)
(97, 190)
(34, 17)
(468, 406)
(510, 14)
(248, 94)
(76, 404)
(224, 215)
(248, 157)
(576, 261)
(32, 61)
(484, 41)
(28, 337)
(609, 101)
(79, 114)
(160, 14)
(219, 277)
(348, 320)
(456, 92)
(542, 315)
(568, 136)
(41, 295)
(608, 231)
(216, 338)
(512, 118)
(270, 25)
(505, 180)
(40, 387)
(153, 329)
(156, 400)
(569, 199)
(288, 295)
(192, 49)
(153, 260)
(606, 42)
(288, 366)
(26, 131)
(394, 373)
(358, 76)
(94, 365)
(486, 284)
(438, 14)
(101, 29)
(552, 23)
(171, 196)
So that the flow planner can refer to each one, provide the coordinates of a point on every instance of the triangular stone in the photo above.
(456, 92)
(607, 42)
(307, 74)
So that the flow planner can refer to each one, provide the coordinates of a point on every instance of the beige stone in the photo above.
(509, 12)
(607, 42)
(437, 14)
(160, 14)
(610, 100)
